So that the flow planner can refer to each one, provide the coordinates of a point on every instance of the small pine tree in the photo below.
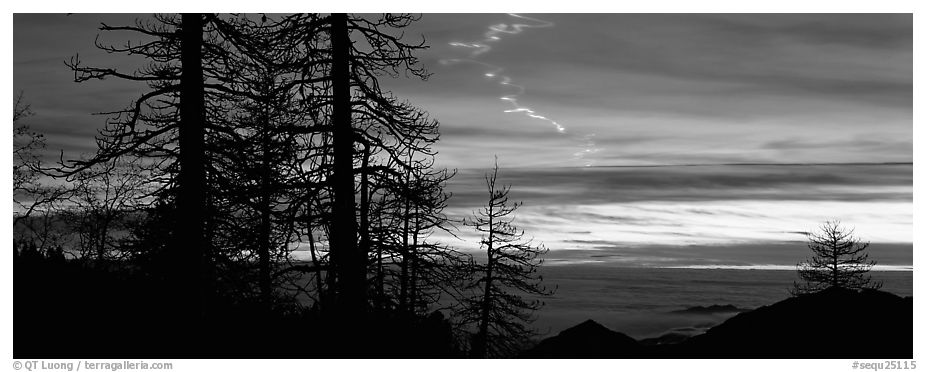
(497, 309)
(839, 261)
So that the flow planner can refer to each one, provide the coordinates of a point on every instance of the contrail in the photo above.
(493, 72)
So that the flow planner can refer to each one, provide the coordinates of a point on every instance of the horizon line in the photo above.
(710, 165)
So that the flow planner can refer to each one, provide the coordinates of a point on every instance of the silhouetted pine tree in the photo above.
(171, 128)
(363, 132)
(426, 269)
(839, 261)
(497, 309)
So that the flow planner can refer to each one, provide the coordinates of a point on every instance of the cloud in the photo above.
(697, 205)
(748, 254)
(769, 50)
(598, 185)
(697, 87)
(877, 31)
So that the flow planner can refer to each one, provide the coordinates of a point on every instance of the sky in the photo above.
(646, 139)
(673, 89)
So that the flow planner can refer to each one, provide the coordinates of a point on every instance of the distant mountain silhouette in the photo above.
(713, 309)
(835, 323)
(586, 340)
(670, 338)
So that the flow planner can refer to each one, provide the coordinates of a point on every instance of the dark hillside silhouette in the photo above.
(834, 323)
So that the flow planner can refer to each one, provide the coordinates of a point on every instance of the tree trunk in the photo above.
(483, 337)
(413, 269)
(403, 277)
(835, 268)
(364, 204)
(101, 248)
(315, 263)
(365, 208)
(349, 264)
(263, 252)
(380, 274)
(191, 247)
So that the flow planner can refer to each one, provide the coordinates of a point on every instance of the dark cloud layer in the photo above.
(598, 185)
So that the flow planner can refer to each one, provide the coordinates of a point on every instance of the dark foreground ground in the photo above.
(65, 310)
